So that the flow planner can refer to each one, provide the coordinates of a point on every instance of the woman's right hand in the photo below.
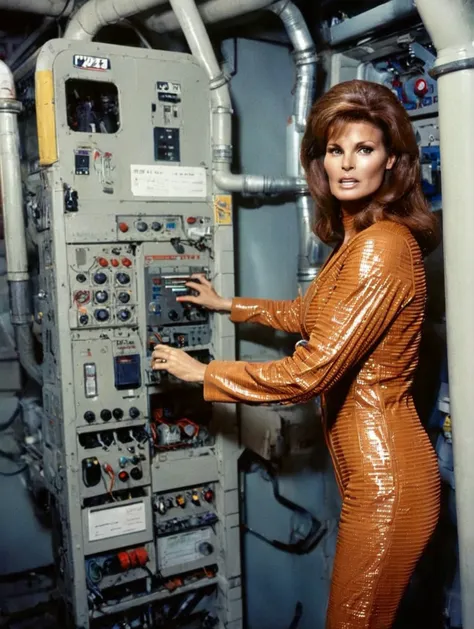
(205, 295)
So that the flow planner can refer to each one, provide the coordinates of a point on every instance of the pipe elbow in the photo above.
(7, 84)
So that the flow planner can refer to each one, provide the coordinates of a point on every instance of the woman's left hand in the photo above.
(177, 363)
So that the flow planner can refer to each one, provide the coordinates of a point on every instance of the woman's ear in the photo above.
(390, 162)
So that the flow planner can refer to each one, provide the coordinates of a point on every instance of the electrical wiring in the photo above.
(11, 419)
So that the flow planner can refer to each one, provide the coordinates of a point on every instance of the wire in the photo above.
(64, 9)
(10, 421)
(16, 472)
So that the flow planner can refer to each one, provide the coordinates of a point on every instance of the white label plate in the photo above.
(122, 520)
(168, 181)
(182, 548)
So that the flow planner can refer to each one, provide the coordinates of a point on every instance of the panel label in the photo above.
(182, 548)
(168, 181)
(223, 209)
(105, 523)
(91, 63)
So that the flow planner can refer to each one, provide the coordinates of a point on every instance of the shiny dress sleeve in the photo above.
(280, 315)
(374, 284)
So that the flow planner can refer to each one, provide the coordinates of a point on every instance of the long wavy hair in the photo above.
(400, 197)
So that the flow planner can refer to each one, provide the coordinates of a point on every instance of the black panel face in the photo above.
(166, 142)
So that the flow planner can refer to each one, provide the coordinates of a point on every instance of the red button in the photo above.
(114, 262)
(191, 220)
(126, 262)
(123, 227)
(102, 262)
(123, 476)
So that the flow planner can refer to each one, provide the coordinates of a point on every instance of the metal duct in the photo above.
(14, 226)
(311, 251)
(369, 21)
(201, 47)
(95, 14)
(53, 8)
(450, 25)
(210, 12)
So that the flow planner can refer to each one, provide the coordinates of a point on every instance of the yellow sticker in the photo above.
(223, 209)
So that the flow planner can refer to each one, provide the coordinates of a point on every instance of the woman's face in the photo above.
(356, 160)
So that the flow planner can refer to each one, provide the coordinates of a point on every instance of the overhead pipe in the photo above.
(14, 226)
(211, 11)
(312, 251)
(450, 24)
(198, 40)
(370, 21)
(95, 14)
(53, 8)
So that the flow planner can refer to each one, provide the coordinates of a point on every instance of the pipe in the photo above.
(450, 25)
(198, 41)
(369, 21)
(93, 15)
(53, 8)
(14, 227)
(312, 251)
(210, 12)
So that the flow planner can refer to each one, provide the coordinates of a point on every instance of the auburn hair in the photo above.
(400, 197)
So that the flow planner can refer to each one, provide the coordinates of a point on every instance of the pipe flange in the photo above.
(10, 106)
(305, 57)
(222, 153)
(218, 81)
(452, 66)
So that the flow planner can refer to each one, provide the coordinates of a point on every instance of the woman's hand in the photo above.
(177, 363)
(206, 295)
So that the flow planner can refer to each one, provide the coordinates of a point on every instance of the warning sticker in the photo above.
(223, 209)
(104, 523)
(168, 181)
(181, 548)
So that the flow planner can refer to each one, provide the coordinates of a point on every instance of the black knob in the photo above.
(101, 296)
(84, 319)
(173, 315)
(124, 315)
(156, 226)
(124, 298)
(101, 314)
(123, 278)
(136, 473)
(117, 413)
(141, 226)
(100, 278)
(134, 412)
(80, 277)
(89, 416)
(105, 415)
(206, 549)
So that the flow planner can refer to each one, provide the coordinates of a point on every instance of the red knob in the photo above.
(102, 261)
(123, 476)
(123, 227)
(126, 262)
(421, 87)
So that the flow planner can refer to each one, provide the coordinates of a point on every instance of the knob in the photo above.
(89, 416)
(124, 298)
(124, 315)
(117, 413)
(123, 476)
(205, 548)
(123, 278)
(136, 473)
(141, 226)
(134, 412)
(100, 278)
(80, 277)
(173, 315)
(84, 319)
(101, 296)
(101, 314)
(123, 227)
(208, 495)
(421, 88)
(156, 226)
(105, 415)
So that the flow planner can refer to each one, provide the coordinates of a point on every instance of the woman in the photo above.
(361, 322)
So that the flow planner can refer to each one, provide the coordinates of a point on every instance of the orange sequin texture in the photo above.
(362, 317)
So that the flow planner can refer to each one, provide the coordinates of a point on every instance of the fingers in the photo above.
(189, 298)
(203, 279)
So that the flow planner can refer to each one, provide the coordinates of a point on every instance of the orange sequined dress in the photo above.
(362, 318)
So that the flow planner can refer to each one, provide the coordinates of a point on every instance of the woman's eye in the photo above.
(334, 151)
(366, 150)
